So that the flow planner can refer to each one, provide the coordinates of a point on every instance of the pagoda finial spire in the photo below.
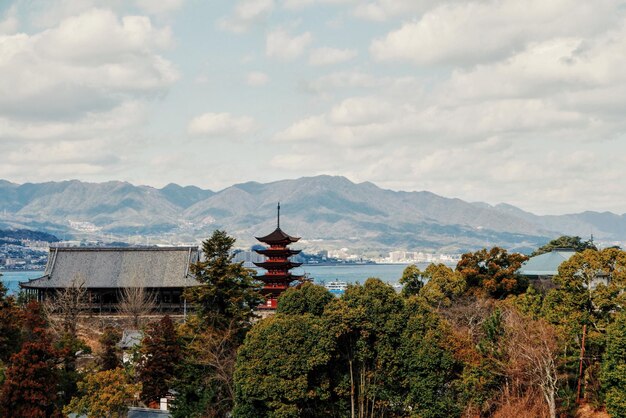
(278, 217)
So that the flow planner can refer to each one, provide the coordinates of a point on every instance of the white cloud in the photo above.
(465, 33)
(126, 116)
(547, 68)
(256, 78)
(73, 97)
(361, 111)
(110, 61)
(246, 14)
(9, 23)
(159, 7)
(299, 4)
(280, 44)
(381, 10)
(329, 56)
(220, 125)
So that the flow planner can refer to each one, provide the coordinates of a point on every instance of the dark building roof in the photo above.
(112, 267)
(278, 237)
(270, 252)
(281, 265)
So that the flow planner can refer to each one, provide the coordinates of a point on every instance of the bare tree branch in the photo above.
(64, 308)
(136, 302)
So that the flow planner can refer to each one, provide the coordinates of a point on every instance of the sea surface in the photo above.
(11, 279)
(354, 273)
(321, 274)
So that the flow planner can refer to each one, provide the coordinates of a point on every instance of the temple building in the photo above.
(278, 278)
(106, 271)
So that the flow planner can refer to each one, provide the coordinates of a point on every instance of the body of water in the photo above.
(353, 273)
(11, 279)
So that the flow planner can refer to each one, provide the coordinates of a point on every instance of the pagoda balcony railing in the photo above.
(275, 286)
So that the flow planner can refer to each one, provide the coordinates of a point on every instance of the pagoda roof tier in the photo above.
(276, 252)
(278, 265)
(279, 277)
(278, 237)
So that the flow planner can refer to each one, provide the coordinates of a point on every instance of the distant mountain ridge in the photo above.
(324, 210)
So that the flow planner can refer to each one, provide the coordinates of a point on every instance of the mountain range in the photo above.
(327, 211)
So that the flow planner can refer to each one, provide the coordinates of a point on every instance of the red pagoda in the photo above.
(277, 278)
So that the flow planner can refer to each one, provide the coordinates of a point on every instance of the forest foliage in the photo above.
(476, 340)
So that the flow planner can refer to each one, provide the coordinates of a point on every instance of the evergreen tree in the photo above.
(565, 241)
(227, 291)
(283, 369)
(368, 322)
(442, 286)
(225, 301)
(614, 367)
(108, 357)
(308, 298)
(411, 280)
(160, 356)
(430, 371)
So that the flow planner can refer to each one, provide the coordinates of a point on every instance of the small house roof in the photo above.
(114, 267)
(546, 264)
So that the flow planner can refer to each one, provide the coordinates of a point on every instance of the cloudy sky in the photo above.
(489, 100)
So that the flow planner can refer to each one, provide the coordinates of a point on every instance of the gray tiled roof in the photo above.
(109, 267)
(147, 413)
(546, 264)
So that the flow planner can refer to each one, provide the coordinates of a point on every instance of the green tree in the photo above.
(282, 368)
(614, 367)
(493, 272)
(31, 380)
(443, 285)
(227, 291)
(590, 287)
(108, 356)
(411, 280)
(106, 394)
(368, 322)
(226, 298)
(566, 241)
(308, 298)
(430, 371)
(160, 356)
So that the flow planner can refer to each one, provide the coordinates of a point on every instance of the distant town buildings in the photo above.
(420, 257)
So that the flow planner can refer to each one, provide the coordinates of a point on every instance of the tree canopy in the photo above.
(308, 298)
(228, 290)
(493, 272)
(565, 241)
(104, 394)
